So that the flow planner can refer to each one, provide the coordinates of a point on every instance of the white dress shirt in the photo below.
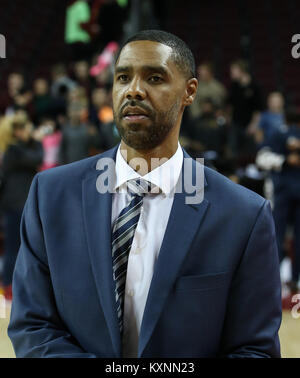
(147, 239)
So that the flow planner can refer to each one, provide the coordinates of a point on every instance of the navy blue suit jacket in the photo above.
(215, 291)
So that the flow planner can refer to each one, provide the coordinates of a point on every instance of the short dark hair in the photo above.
(181, 53)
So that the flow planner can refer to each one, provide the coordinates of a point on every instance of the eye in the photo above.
(122, 78)
(155, 79)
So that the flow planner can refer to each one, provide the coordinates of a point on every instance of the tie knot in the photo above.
(139, 187)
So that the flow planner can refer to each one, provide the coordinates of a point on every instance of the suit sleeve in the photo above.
(35, 328)
(254, 305)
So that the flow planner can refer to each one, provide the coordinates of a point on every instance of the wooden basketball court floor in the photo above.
(289, 336)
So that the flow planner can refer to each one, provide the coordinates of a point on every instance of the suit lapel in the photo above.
(97, 217)
(184, 221)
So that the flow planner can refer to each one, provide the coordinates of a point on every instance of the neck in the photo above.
(144, 161)
(276, 110)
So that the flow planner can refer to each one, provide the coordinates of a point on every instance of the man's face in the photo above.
(15, 81)
(24, 133)
(148, 94)
(81, 70)
(204, 73)
(235, 72)
(275, 102)
(99, 97)
(40, 87)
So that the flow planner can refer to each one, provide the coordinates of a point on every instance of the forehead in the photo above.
(40, 81)
(15, 76)
(275, 95)
(145, 53)
(81, 65)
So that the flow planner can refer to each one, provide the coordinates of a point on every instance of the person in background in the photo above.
(81, 75)
(41, 99)
(49, 134)
(62, 84)
(104, 78)
(78, 95)
(111, 31)
(100, 110)
(244, 107)
(272, 119)
(22, 156)
(208, 87)
(207, 132)
(78, 136)
(281, 156)
(101, 115)
(19, 95)
(76, 38)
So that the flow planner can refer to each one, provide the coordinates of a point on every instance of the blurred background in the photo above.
(56, 106)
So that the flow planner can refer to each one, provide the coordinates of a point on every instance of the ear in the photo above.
(190, 92)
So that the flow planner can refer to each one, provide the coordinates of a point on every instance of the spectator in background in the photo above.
(207, 132)
(19, 95)
(100, 110)
(78, 95)
(208, 87)
(62, 84)
(76, 38)
(91, 26)
(15, 84)
(22, 156)
(105, 78)
(101, 115)
(110, 30)
(272, 119)
(41, 99)
(78, 137)
(281, 156)
(81, 75)
(49, 134)
(245, 106)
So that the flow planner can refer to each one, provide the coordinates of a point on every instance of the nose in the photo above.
(135, 90)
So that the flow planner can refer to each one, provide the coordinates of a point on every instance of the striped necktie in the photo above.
(122, 236)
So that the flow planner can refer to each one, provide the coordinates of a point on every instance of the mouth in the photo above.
(135, 114)
(135, 117)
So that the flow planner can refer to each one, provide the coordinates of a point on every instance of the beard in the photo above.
(145, 137)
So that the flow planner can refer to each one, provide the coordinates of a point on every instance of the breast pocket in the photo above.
(202, 282)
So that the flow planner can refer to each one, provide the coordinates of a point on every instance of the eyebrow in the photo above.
(122, 69)
(149, 68)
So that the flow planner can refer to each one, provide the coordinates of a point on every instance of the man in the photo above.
(280, 156)
(208, 87)
(272, 119)
(19, 95)
(22, 157)
(201, 278)
(78, 137)
(245, 106)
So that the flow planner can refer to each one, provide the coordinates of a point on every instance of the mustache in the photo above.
(138, 104)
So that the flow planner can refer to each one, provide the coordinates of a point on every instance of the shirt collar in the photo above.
(165, 176)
